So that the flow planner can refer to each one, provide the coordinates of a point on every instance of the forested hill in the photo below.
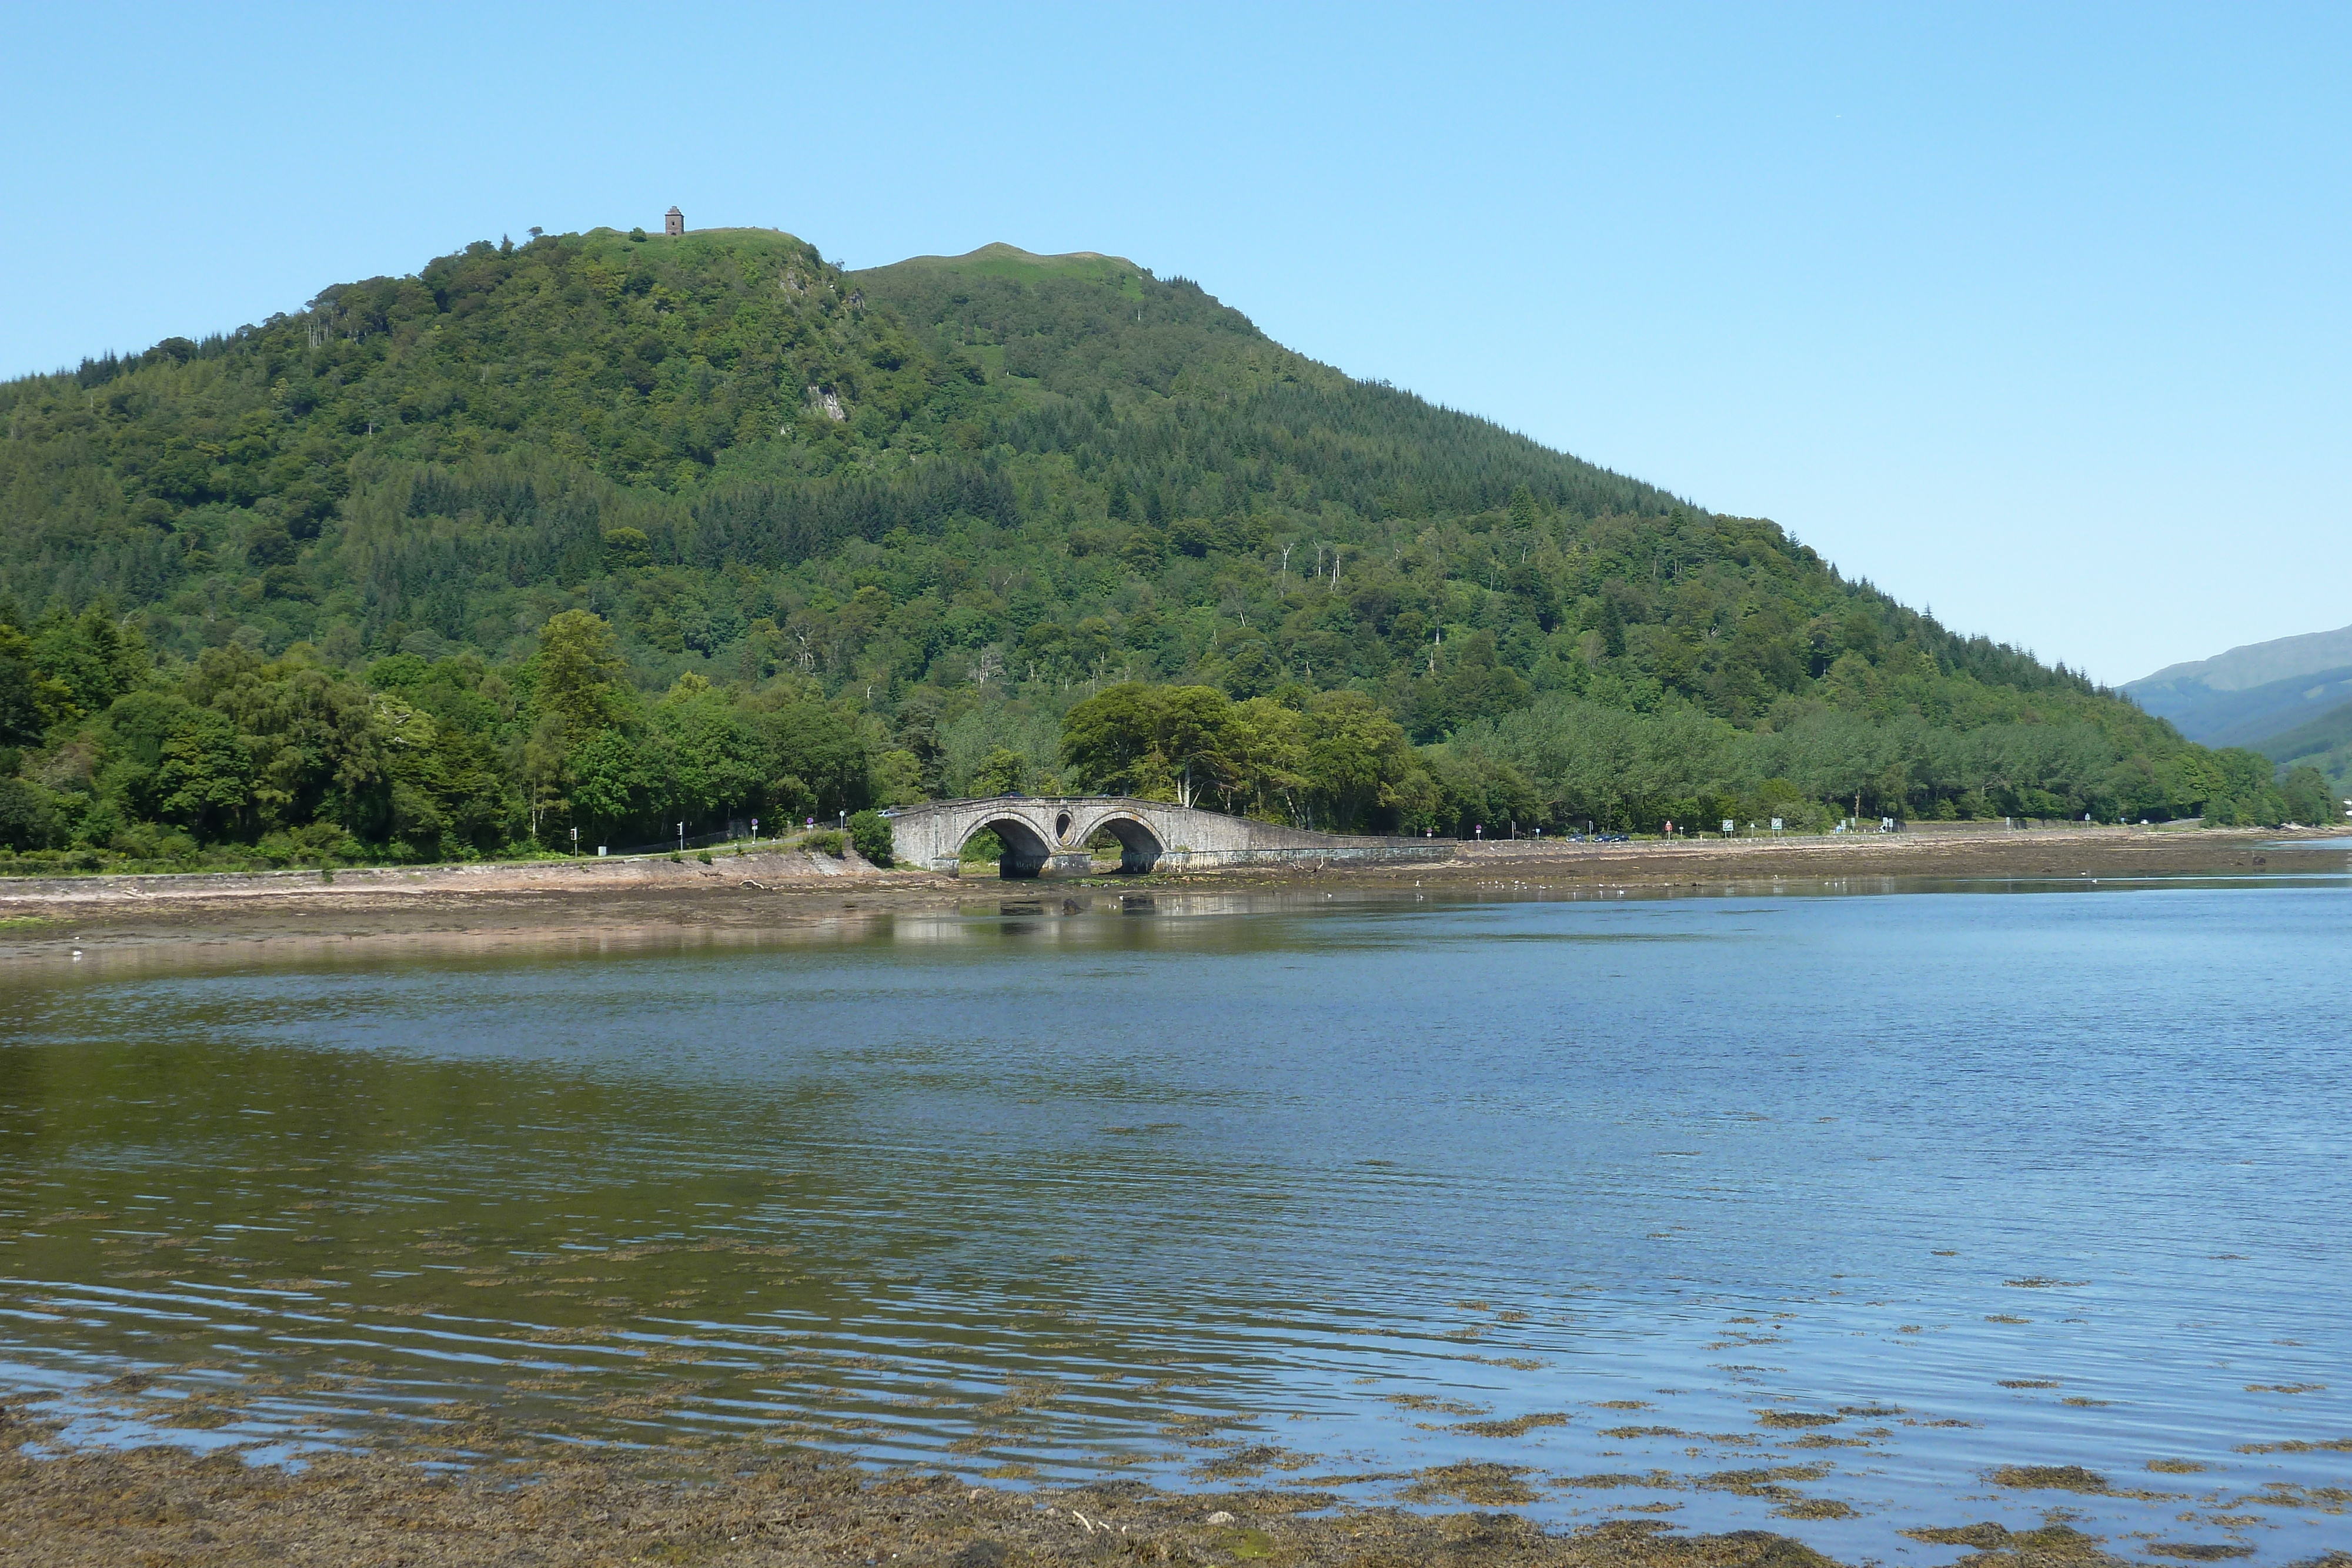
(794, 537)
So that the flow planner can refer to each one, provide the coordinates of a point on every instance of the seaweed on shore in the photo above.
(753, 1503)
(2048, 1478)
(2053, 1545)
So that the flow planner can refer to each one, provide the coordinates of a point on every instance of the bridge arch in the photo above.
(1026, 851)
(1139, 846)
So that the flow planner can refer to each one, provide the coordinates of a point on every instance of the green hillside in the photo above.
(2324, 743)
(611, 531)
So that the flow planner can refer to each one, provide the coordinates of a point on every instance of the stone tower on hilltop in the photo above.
(673, 222)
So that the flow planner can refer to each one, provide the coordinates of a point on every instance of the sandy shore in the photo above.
(657, 900)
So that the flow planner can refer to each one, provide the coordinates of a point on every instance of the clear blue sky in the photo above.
(2034, 315)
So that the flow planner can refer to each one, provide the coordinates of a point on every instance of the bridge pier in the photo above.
(1061, 864)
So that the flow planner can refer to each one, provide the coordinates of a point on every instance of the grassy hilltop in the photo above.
(610, 530)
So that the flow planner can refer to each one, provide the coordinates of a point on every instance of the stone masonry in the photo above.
(1047, 836)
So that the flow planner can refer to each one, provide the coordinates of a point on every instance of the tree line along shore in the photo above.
(127, 763)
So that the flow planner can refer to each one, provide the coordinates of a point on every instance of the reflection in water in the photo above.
(1768, 1205)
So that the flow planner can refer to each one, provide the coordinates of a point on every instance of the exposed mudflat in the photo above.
(657, 900)
(1922, 854)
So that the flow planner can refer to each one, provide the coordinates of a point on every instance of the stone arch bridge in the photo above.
(1048, 836)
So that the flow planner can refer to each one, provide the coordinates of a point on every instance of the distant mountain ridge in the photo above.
(2254, 692)
(2258, 663)
(2250, 717)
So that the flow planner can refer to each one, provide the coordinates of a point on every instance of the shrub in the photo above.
(870, 832)
(703, 855)
(830, 840)
(314, 843)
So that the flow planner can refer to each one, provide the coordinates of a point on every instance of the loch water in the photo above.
(1809, 1208)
